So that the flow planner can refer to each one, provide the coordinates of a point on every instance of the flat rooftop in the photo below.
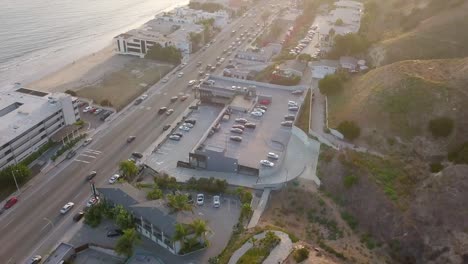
(22, 109)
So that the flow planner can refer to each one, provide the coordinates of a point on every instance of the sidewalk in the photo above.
(259, 208)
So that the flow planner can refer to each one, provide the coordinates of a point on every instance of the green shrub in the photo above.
(245, 195)
(367, 240)
(436, 167)
(168, 54)
(349, 219)
(154, 194)
(441, 126)
(93, 216)
(331, 84)
(301, 254)
(459, 154)
(106, 102)
(350, 180)
(349, 129)
(211, 185)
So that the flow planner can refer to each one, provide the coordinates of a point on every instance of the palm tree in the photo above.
(126, 242)
(128, 168)
(180, 233)
(179, 202)
(200, 228)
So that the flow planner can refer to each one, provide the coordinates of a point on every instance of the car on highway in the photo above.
(166, 127)
(180, 74)
(91, 175)
(77, 217)
(174, 98)
(35, 260)
(293, 108)
(267, 163)
(287, 123)
(236, 130)
(114, 233)
(216, 201)
(137, 155)
(255, 113)
(138, 101)
(174, 137)
(92, 201)
(66, 207)
(184, 128)
(199, 64)
(162, 110)
(165, 80)
(130, 139)
(192, 82)
(272, 155)
(241, 120)
(236, 138)
(71, 154)
(297, 92)
(12, 201)
(200, 198)
(183, 97)
(170, 111)
(114, 178)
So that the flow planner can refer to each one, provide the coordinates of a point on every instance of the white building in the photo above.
(29, 118)
(166, 33)
(221, 17)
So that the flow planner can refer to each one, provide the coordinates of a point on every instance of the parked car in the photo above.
(99, 110)
(165, 80)
(192, 82)
(138, 101)
(180, 74)
(191, 121)
(170, 111)
(293, 108)
(77, 217)
(267, 163)
(239, 126)
(114, 233)
(183, 97)
(264, 102)
(193, 107)
(114, 178)
(258, 114)
(162, 110)
(87, 109)
(174, 137)
(87, 141)
(287, 123)
(264, 108)
(92, 201)
(241, 120)
(184, 128)
(298, 92)
(272, 155)
(166, 127)
(200, 198)
(71, 154)
(66, 207)
(35, 260)
(190, 198)
(292, 103)
(12, 201)
(130, 139)
(237, 130)
(216, 201)
(137, 155)
(106, 115)
(236, 138)
(174, 98)
(178, 134)
(259, 110)
(290, 117)
(91, 175)
(250, 125)
(190, 125)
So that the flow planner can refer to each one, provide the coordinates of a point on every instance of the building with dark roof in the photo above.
(153, 218)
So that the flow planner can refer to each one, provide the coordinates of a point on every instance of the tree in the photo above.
(179, 202)
(93, 216)
(200, 228)
(301, 254)
(331, 84)
(169, 54)
(124, 245)
(246, 210)
(180, 232)
(441, 126)
(339, 22)
(349, 129)
(123, 218)
(304, 57)
(128, 168)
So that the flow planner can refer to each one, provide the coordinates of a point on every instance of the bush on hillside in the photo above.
(348, 45)
(106, 102)
(301, 254)
(441, 126)
(459, 155)
(349, 129)
(436, 167)
(331, 84)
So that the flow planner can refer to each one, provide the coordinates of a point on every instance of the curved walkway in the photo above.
(277, 255)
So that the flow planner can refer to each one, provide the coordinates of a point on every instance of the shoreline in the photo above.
(84, 69)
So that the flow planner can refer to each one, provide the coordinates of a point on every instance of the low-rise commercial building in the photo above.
(29, 118)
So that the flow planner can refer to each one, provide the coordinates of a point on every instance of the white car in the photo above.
(174, 137)
(272, 155)
(114, 178)
(66, 207)
(189, 125)
(259, 110)
(292, 103)
(180, 74)
(256, 113)
(87, 141)
(192, 82)
(165, 80)
(216, 201)
(87, 109)
(293, 108)
(144, 96)
(267, 163)
(184, 128)
(200, 198)
(99, 110)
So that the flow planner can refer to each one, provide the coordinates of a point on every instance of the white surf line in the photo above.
(88, 156)
(82, 161)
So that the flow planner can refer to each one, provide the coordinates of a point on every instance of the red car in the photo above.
(265, 102)
(12, 201)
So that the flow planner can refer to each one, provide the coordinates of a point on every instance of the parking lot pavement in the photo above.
(220, 222)
(91, 256)
(93, 120)
(98, 235)
(171, 151)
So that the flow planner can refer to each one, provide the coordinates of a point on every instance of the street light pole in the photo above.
(14, 178)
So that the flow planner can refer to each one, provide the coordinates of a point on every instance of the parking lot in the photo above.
(93, 119)
(166, 156)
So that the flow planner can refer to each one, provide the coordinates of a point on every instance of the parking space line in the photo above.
(88, 156)
(93, 151)
(84, 161)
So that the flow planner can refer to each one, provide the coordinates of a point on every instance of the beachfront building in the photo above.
(153, 218)
(220, 17)
(166, 33)
(28, 119)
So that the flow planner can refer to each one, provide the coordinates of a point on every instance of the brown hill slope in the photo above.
(394, 104)
(433, 30)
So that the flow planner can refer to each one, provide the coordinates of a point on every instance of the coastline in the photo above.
(85, 69)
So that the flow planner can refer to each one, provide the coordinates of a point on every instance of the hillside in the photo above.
(409, 30)
(393, 105)
(425, 222)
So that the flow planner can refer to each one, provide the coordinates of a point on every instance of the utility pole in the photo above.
(14, 178)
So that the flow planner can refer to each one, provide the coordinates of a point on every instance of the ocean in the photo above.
(38, 37)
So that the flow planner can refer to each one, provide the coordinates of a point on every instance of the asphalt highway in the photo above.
(34, 225)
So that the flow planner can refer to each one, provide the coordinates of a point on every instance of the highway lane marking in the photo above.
(88, 156)
(93, 151)
(8, 222)
(82, 161)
